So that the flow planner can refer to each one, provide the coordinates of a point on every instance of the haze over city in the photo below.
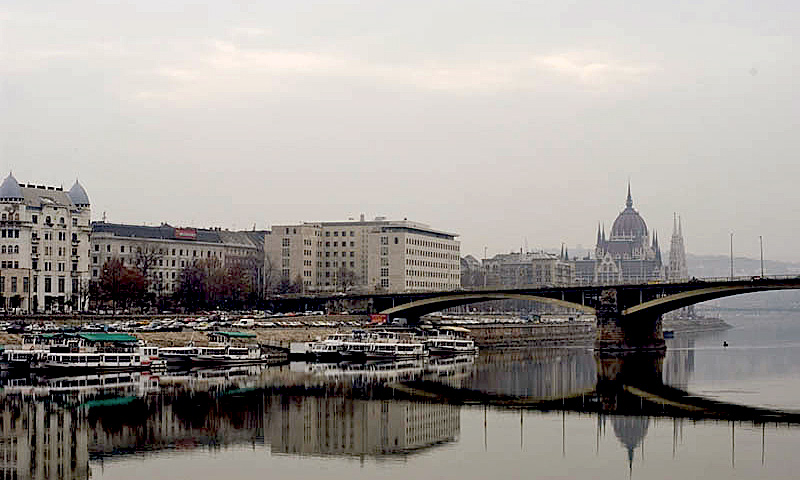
(501, 122)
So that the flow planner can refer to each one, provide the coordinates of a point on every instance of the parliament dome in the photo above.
(629, 224)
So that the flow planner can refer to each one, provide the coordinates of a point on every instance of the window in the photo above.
(108, 248)
(121, 247)
(384, 240)
(396, 240)
(48, 285)
(25, 285)
(384, 272)
(74, 222)
(97, 248)
(385, 282)
(35, 218)
(94, 272)
(61, 285)
(48, 221)
(13, 284)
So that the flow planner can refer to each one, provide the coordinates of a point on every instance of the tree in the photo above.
(346, 278)
(147, 256)
(120, 284)
(271, 279)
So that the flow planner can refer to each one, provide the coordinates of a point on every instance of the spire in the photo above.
(566, 254)
(680, 230)
(674, 222)
(629, 201)
(598, 234)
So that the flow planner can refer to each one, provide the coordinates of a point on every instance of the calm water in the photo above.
(305, 421)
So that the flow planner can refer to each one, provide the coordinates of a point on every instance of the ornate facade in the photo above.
(629, 254)
(44, 232)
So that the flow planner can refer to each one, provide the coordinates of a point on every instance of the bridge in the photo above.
(628, 315)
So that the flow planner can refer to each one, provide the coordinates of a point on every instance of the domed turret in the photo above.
(78, 195)
(10, 190)
(629, 224)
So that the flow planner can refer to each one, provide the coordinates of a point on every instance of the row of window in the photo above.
(431, 244)
(61, 283)
(422, 273)
(9, 249)
(429, 254)
(9, 233)
(424, 263)
(14, 284)
(422, 284)
(160, 251)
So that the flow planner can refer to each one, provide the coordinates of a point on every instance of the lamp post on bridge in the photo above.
(731, 255)
(761, 244)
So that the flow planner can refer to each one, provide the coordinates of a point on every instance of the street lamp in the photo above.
(731, 255)
(761, 244)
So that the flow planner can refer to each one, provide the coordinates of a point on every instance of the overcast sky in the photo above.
(501, 121)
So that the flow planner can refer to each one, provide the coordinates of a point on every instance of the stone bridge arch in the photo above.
(424, 306)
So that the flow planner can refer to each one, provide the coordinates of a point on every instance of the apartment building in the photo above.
(363, 255)
(44, 246)
(531, 269)
(167, 250)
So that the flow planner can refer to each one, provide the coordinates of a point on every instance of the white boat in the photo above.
(99, 352)
(33, 350)
(222, 350)
(331, 348)
(450, 341)
(177, 355)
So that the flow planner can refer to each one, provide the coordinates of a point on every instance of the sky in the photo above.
(504, 121)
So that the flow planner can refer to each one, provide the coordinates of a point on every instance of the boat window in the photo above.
(111, 358)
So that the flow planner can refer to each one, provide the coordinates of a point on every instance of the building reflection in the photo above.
(546, 373)
(38, 440)
(52, 428)
(343, 426)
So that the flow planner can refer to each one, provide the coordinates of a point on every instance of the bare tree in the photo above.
(147, 256)
(271, 277)
(346, 278)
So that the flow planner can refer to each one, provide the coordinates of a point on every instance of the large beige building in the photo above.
(44, 246)
(531, 269)
(167, 250)
(363, 255)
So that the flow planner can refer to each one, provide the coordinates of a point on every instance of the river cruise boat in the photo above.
(450, 341)
(229, 348)
(331, 348)
(33, 350)
(99, 352)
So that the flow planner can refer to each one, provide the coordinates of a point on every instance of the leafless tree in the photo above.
(346, 278)
(147, 256)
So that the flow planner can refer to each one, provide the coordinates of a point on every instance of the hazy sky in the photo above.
(498, 120)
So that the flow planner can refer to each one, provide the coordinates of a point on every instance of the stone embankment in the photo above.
(485, 336)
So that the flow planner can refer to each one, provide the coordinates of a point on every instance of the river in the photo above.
(544, 413)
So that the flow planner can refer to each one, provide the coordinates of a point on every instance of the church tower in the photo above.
(678, 271)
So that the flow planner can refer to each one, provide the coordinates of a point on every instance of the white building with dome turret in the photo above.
(44, 247)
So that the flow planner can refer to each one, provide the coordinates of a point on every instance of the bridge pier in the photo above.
(617, 332)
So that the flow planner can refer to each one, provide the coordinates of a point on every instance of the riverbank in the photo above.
(485, 336)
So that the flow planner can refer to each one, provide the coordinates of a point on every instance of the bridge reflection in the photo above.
(56, 427)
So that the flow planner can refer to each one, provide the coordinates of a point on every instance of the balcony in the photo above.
(34, 239)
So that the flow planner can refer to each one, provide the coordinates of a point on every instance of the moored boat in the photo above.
(450, 341)
(99, 352)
